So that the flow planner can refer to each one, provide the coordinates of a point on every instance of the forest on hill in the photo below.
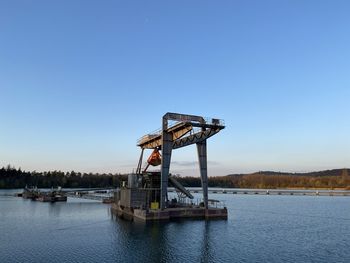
(330, 179)
(11, 177)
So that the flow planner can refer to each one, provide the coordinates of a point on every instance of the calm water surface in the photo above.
(260, 228)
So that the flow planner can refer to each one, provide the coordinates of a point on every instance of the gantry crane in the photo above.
(179, 130)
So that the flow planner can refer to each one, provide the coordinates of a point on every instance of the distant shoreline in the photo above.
(214, 187)
(12, 178)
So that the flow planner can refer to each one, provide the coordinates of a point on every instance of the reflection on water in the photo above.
(259, 229)
(206, 250)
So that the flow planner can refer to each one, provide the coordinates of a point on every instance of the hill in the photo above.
(336, 178)
(333, 172)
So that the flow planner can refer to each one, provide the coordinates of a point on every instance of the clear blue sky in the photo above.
(81, 81)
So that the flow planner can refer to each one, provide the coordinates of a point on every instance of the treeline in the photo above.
(288, 181)
(219, 181)
(270, 182)
(337, 178)
(16, 178)
(11, 177)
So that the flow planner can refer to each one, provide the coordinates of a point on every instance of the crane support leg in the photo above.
(167, 146)
(139, 166)
(202, 158)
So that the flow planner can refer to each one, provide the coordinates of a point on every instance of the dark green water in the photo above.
(260, 228)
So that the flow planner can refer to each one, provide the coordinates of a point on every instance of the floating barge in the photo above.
(50, 198)
(42, 196)
(132, 202)
(145, 197)
(169, 213)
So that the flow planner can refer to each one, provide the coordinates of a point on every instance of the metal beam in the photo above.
(139, 166)
(183, 117)
(155, 142)
(180, 141)
(202, 159)
(167, 144)
(195, 138)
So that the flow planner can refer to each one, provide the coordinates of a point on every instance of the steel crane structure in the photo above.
(179, 130)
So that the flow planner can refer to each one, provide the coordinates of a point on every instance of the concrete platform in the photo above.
(169, 213)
